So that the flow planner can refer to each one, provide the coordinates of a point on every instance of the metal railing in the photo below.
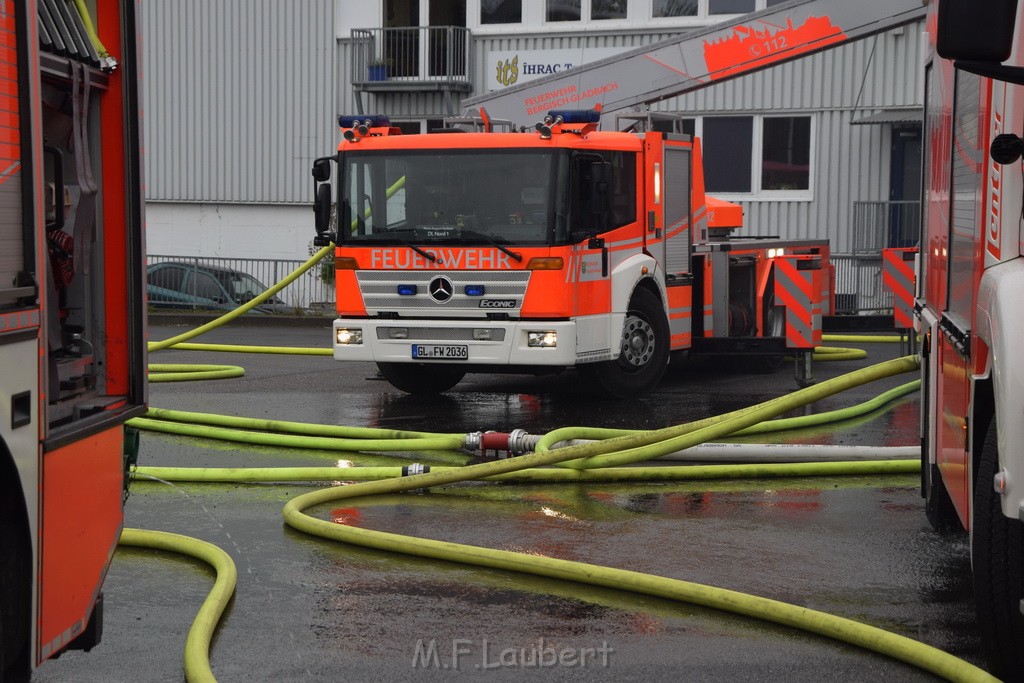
(202, 283)
(877, 225)
(859, 287)
(411, 57)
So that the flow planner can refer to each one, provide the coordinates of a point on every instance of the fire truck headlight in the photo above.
(349, 335)
(542, 340)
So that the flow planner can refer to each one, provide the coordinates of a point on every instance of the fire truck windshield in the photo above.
(491, 196)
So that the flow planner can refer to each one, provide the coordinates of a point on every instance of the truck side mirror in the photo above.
(322, 215)
(322, 201)
(966, 33)
(322, 170)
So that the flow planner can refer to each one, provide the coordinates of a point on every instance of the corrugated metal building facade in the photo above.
(238, 98)
(241, 95)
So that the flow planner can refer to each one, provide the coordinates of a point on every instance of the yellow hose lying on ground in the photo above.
(187, 423)
(197, 643)
(537, 475)
(622, 450)
(174, 372)
(644, 446)
(869, 637)
(244, 348)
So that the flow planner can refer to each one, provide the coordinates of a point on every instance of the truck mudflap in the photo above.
(798, 288)
(900, 278)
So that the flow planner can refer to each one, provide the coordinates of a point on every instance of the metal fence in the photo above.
(877, 225)
(859, 287)
(190, 282)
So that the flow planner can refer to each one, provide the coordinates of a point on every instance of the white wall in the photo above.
(229, 230)
(350, 15)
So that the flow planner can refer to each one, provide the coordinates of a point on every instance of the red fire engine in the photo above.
(71, 316)
(969, 288)
(569, 246)
(565, 246)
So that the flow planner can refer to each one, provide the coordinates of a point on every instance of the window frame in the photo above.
(757, 194)
(587, 15)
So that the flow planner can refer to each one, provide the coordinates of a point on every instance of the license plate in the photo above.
(440, 352)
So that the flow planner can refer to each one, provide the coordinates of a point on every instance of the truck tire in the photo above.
(643, 355)
(938, 506)
(15, 588)
(774, 327)
(997, 555)
(419, 378)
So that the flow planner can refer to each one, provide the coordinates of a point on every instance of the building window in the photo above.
(751, 155)
(607, 9)
(575, 10)
(728, 147)
(501, 11)
(564, 10)
(675, 8)
(730, 6)
(786, 153)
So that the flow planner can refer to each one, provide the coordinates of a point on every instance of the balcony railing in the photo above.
(412, 58)
(878, 225)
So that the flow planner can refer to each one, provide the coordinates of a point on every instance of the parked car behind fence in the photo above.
(222, 284)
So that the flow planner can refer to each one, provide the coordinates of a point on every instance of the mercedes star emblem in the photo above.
(441, 289)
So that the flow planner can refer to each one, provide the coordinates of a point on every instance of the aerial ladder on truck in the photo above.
(697, 59)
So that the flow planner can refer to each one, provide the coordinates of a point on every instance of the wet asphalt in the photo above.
(310, 609)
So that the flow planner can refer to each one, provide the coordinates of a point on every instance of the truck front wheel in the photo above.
(643, 350)
(997, 554)
(419, 378)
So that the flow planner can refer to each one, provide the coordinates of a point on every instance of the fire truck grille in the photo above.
(503, 291)
(441, 333)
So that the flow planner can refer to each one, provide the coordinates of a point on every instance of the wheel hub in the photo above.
(637, 342)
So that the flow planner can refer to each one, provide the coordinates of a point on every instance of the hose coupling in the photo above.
(521, 442)
(415, 468)
(108, 64)
(492, 445)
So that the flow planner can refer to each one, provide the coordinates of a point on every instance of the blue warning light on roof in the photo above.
(576, 115)
(368, 120)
